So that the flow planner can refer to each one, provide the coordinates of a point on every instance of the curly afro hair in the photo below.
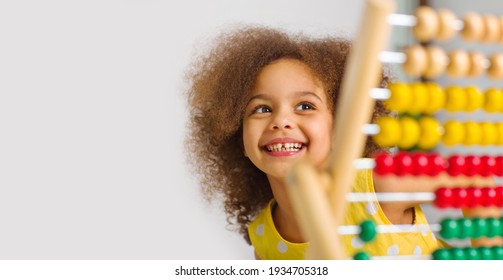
(219, 83)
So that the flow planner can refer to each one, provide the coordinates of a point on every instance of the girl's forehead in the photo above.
(287, 73)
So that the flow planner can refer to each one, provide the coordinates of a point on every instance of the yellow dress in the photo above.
(269, 245)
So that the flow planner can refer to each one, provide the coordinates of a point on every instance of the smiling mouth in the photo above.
(284, 147)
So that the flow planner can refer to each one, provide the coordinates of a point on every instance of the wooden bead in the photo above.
(420, 98)
(477, 64)
(489, 133)
(427, 25)
(459, 63)
(495, 70)
(410, 133)
(431, 133)
(416, 62)
(500, 20)
(475, 99)
(499, 132)
(436, 98)
(455, 99)
(454, 133)
(492, 28)
(437, 62)
(389, 132)
(473, 27)
(447, 25)
(473, 133)
(493, 101)
(400, 98)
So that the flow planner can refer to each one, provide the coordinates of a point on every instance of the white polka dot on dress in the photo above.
(393, 250)
(260, 230)
(424, 229)
(371, 208)
(282, 247)
(417, 251)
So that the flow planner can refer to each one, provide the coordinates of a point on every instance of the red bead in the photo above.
(443, 197)
(460, 196)
(499, 196)
(489, 196)
(498, 171)
(404, 164)
(488, 166)
(436, 164)
(420, 164)
(385, 164)
(472, 165)
(474, 197)
(456, 165)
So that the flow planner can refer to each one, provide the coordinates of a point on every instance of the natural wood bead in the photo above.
(416, 61)
(492, 28)
(495, 70)
(427, 24)
(437, 62)
(476, 64)
(459, 63)
(500, 20)
(473, 27)
(447, 25)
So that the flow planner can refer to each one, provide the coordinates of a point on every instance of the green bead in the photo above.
(466, 228)
(486, 253)
(495, 227)
(441, 254)
(472, 253)
(457, 254)
(481, 227)
(361, 256)
(449, 229)
(368, 230)
(497, 252)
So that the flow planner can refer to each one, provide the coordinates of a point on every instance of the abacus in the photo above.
(320, 198)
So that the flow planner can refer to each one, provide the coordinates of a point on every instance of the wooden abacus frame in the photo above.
(320, 210)
(319, 196)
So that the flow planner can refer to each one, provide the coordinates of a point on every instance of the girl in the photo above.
(260, 100)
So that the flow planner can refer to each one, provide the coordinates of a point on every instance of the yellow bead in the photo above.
(436, 98)
(499, 132)
(419, 98)
(431, 133)
(493, 100)
(475, 98)
(454, 133)
(410, 132)
(456, 99)
(489, 133)
(400, 98)
(473, 135)
(389, 132)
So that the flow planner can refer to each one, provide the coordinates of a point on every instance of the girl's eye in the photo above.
(305, 106)
(261, 109)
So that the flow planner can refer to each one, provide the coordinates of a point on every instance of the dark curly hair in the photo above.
(219, 84)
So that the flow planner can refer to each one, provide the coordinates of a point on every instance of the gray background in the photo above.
(92, 122)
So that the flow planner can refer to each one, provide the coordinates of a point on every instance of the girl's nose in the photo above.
(282, 122)
(284, 125)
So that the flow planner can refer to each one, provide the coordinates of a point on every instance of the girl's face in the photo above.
(287, 117)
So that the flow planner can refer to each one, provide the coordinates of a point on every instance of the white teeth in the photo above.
(286, 147)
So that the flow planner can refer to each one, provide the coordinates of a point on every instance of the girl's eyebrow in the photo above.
(308, 93)
(297, 94)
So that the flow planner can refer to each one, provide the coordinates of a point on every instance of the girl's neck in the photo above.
(283, 213)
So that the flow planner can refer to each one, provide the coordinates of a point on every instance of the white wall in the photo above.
(92, 120)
